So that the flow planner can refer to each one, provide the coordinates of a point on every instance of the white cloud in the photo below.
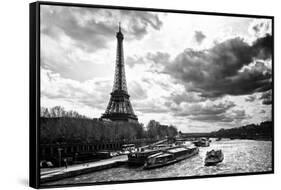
(89, 97)
(78, 55)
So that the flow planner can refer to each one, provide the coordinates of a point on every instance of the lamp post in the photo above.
(59, 153)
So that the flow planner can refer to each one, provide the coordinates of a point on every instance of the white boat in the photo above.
(202, 142)
(213, 157)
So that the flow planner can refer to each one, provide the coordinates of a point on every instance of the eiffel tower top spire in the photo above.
(119, 107)
(120, 83)
(119, 34)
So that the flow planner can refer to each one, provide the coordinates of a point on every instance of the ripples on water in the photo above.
(240, 156)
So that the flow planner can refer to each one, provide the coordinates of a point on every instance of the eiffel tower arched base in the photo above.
(120, 117)
(119, 107)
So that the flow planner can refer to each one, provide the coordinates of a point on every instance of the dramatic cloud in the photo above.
(136, 91)
(151, 106)
(175, 74)
(222, 112)
(153, 61)
(67, 92)
(262, 47)
(92, 28)
(159, 58)
(178, 98)
(208, 108)
(262, 111)
(260, 27)
(266, 97)
(199, 37)
(233, 116)
(139, 22)
(132, 61)
(251, 98)
(223, 70)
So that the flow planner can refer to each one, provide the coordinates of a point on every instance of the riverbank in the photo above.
(241, 156)
(54, 174)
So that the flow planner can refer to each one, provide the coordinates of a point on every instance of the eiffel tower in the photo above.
(119, 107)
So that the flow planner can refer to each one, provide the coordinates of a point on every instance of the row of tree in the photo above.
(264, 130)
(59, 111)
(60, 126)
(156, 130)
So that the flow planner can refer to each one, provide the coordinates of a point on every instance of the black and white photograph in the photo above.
(131, 94)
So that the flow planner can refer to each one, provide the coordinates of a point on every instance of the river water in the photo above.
(240, 156)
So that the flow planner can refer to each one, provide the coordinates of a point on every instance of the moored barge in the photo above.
(138, 158)
(169, 156)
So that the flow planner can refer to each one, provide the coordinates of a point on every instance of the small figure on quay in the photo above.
(65, 162)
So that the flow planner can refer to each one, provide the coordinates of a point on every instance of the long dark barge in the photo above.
(138, 158)
(169, 156)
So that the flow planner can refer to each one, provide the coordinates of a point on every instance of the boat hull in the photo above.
(211, 160)
(202, 144)
(139, 158)
(178, 159)
(212, 163)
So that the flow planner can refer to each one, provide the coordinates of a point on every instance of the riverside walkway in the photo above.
(54, 174)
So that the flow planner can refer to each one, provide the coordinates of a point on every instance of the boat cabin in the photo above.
(179, 151)
(159, 158)
(128, 147)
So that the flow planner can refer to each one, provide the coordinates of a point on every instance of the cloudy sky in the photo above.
(197, 72)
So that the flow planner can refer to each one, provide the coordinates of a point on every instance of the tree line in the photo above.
(60, 126)
(59, 111)
(262, 131)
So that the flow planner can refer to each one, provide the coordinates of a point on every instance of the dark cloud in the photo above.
(238, 115)
(89, 36)
(93, 28)
(205, 109)
(132, 61)
(234, 115)
(157, 60)
(251, 98)
(212, 112)
(224, 69)
(94, 94)
(136, 91)
(186, 97)
(212, 118)
(262, 111)
(262, 47)
(199, 37)
(266, 97)
(149, 106)
(139, 21)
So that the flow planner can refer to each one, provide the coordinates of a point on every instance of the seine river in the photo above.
(240, 156)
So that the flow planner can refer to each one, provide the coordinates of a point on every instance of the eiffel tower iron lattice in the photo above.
(119, 107)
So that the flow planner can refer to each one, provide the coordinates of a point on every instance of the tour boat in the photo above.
(138, 157)
(169, 156)
(213, 157)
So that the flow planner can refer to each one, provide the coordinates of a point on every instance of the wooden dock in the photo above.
(54, 174)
